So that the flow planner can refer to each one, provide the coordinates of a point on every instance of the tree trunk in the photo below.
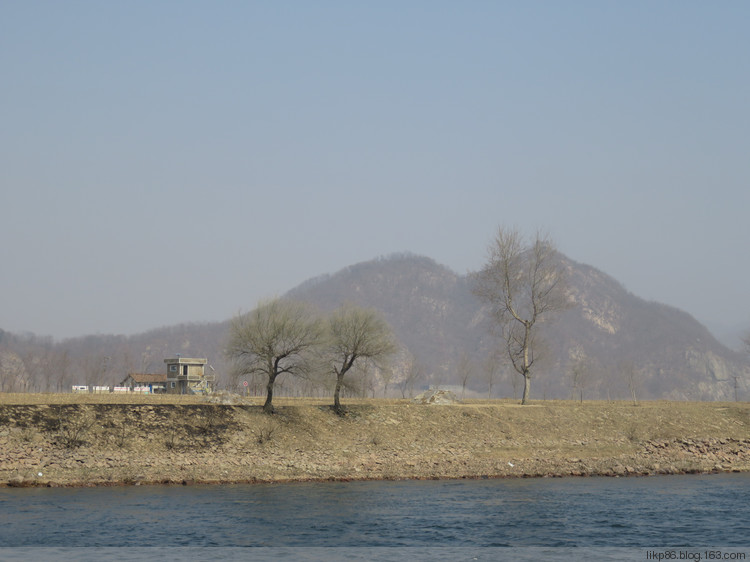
(268, 406)
(526, 389)
(336, 396)
(526, 364)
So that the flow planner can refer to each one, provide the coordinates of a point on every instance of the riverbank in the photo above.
(44, 443)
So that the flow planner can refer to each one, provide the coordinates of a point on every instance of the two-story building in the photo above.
(186, 375)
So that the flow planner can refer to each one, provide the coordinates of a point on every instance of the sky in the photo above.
(178, 161)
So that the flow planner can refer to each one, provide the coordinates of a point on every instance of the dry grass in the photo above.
(18, 399)
(550, 424)
(176, 438)
(626, 408)
(28, 399)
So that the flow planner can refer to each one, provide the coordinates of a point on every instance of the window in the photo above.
(173, 368)
(171, 385)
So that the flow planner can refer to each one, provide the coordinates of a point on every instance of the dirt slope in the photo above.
(48, 444)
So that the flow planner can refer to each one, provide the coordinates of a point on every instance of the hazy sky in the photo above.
(164, 162)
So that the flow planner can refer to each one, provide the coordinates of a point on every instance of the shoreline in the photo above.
(186, 483)
(101, 444)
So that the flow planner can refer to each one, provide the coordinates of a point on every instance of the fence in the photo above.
(82, 388)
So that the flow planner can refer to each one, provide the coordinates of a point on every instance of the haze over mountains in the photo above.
(618, 338)
(619, 345)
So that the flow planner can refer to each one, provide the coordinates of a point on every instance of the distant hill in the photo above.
(668, 352)
(622, 345)
(430, 308)
(659, 351)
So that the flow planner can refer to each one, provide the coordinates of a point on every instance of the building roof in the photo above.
(186, 360)
(145, 378)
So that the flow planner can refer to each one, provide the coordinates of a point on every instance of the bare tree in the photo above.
(491, 368)
(93, 368)
(579, 368)
(39, 364)
(386, 376)
(12, 372)
(276, 338)
(355, 336)
(410, 373)
(62, 368)
(522, 283)
(627, 369)
(465, 370)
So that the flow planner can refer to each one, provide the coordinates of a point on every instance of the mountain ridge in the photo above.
(663, 351)
(628, 347)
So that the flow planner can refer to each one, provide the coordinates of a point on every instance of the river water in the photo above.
(675, 517)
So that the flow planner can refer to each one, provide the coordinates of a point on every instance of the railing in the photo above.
(195, 378)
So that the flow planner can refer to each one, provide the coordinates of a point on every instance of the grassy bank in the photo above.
(106, 440)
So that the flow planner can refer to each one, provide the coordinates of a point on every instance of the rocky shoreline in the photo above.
(137, 444)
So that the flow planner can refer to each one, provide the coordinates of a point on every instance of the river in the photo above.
(604, 518)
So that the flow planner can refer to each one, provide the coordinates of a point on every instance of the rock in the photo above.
(225, 398)
(436, 396)
(17, 481)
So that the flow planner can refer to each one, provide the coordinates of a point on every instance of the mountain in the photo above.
(626, 344)
(430, 308)
(663, 350)
(621, 346)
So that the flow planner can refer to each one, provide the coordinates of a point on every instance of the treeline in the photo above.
(32, 363)
(610, 345)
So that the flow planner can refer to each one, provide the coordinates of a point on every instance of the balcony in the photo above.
(195, 378)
